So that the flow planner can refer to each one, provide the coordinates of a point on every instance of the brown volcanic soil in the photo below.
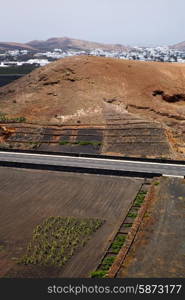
(28, 197)
(69, 85)
(88, 90)
(158, 249)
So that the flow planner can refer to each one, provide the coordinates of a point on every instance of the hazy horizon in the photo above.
(127, 22)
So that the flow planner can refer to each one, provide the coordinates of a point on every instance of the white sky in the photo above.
(129, 22)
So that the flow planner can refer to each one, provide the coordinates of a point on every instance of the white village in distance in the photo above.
(28, 57)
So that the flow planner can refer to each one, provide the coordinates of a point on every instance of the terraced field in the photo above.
(130, 135)
(29, 197)
(125, 109)
(121, 134)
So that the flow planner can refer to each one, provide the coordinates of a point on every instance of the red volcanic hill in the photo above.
(143, 101)
(63, 43)
(76, 85)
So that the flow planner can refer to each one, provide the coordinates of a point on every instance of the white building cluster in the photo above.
(42, 58)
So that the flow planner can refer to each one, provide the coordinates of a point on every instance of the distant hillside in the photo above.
(13, 46)
(179, 46)
(65, 42)
(69, 43)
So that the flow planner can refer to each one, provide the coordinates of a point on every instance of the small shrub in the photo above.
(4, 146)
(21, 119)
(107, 263)
(140, 198)
(85, 143)
(98, 274)
(128, 225)
(132, 215)
(81, 143)
(63, 142)
(158, 92)
(118, 243)
(56, 240)
(4, 118)
(157, 183)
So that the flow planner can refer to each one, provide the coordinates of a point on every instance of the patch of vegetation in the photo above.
(98, 274)
(118, 243)
(140, 198)
(107, 263)
(63, 142)
(86, 143)
(34, 144)
(5, 119)
(132, 215)
(4, 146)
(57, 239)
(81, 143)
(157, 183)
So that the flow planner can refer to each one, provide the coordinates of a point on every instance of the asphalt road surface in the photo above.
(94, 163)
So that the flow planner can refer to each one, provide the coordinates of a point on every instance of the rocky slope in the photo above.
(80, 90)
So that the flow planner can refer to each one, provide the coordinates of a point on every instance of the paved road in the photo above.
(94, 163)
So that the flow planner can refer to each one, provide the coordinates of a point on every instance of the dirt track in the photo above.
(27, 197)
(159, 248)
